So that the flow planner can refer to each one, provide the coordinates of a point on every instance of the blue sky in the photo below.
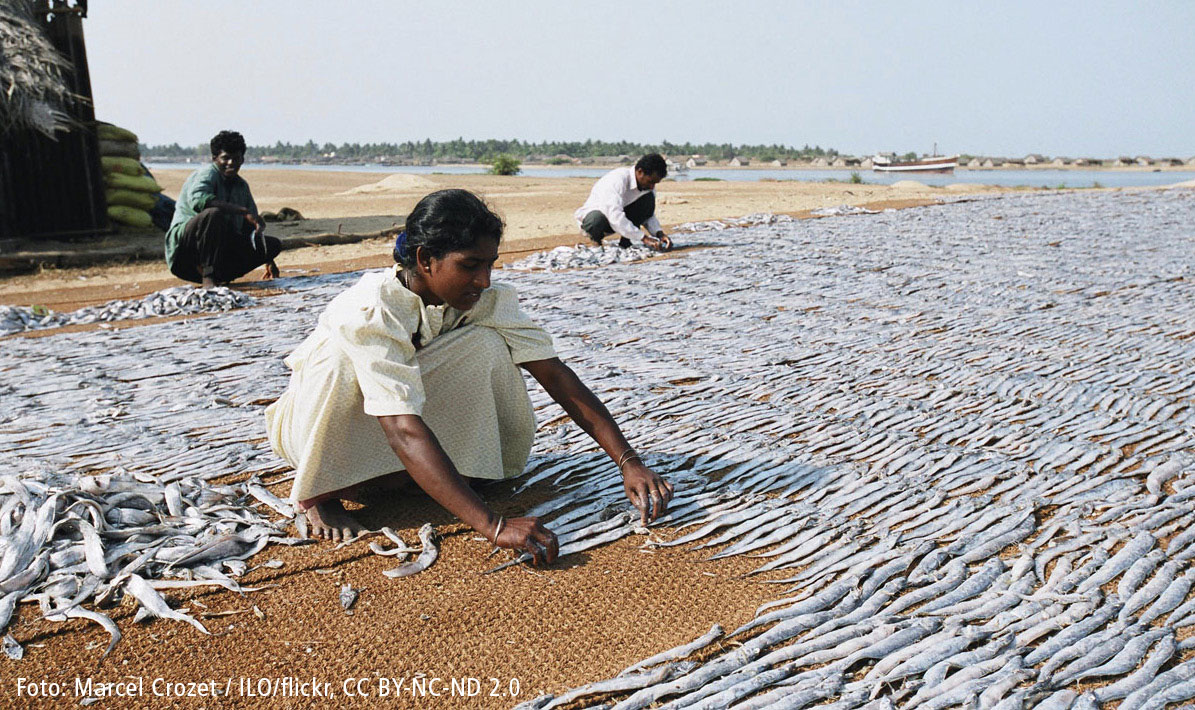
(1007, 78)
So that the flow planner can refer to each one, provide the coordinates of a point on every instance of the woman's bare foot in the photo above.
(328, 520)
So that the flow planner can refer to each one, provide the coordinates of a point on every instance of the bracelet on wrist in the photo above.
(628, 455)
(498, 529)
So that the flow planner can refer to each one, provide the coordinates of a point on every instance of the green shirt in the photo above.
(203, 186)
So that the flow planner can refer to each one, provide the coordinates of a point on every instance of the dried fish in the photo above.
(430, 540)
(918, 394)
(12, 649)
(179, 300)
(348, 596)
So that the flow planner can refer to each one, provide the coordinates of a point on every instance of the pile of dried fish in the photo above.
(842, 210)
(180, 300)
(581, 256)
(755, 219)
(67, 540)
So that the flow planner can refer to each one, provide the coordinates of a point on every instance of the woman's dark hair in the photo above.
(446, 221)
(230, 142)
(653, 164)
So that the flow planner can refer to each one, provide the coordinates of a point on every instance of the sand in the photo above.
(538, 214)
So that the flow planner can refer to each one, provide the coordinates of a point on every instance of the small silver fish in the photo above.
(12, 649)
(430, 539)
(348, 596)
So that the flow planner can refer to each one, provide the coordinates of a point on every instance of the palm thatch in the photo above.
(33, 87)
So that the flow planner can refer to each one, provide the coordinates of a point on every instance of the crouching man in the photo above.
(624, 201)
(217, 235)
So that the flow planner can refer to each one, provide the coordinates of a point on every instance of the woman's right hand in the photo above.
(528, 535)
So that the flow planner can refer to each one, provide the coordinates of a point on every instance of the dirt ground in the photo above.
(538, 214)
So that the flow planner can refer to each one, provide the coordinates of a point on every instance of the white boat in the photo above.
(931, 164)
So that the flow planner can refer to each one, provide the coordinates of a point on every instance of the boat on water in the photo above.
(931, 164)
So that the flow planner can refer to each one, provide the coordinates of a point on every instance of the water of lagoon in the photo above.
(1004, 178)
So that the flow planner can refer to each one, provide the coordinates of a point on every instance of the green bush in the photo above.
(856, 178)
(504, 165)
(707, 179)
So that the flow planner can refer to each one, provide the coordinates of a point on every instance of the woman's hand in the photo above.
(528, 535)
(646, 490)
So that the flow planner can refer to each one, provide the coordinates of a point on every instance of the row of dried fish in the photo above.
(755, 219)
(180, 300)
(841, 210)
(893, 462)
(581, 256)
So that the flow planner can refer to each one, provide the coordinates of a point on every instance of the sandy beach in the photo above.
(538, 214)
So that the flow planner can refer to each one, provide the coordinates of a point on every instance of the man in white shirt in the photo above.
(624, 201)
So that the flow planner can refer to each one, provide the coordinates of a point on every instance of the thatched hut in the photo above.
(739, 161)
(50, 180)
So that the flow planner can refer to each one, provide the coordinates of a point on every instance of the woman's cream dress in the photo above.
(361, 363)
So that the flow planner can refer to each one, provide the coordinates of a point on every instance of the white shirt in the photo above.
(610, 196)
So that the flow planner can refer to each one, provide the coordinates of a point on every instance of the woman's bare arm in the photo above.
(427, 464)
(644, 488)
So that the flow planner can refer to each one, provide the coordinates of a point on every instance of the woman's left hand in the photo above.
(646, 489)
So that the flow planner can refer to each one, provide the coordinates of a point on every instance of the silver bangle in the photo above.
(498, 528)
(628, 455)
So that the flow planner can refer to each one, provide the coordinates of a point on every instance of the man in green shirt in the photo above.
(216, 234)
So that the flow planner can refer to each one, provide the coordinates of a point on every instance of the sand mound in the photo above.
(398, 182)
(908, 185)
(1187, 183)
(963, 186)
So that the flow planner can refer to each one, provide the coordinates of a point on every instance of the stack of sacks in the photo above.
(131, 192)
